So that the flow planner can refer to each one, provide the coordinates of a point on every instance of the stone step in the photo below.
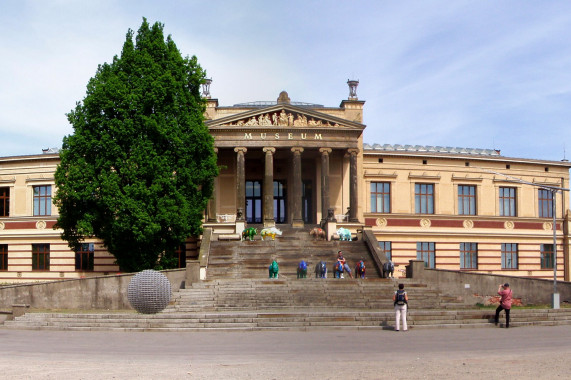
(284, 320)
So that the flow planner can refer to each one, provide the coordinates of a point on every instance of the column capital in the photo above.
(353, 151)
(325, 150)
(297, 149)
(215, 150)
(269, 150)
(239, 149)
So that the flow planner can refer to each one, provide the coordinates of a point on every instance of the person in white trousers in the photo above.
(400, 299)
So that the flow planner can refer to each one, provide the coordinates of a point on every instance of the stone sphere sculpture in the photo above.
(149, 292)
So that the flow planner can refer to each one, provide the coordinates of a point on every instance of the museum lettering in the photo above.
(286, 136)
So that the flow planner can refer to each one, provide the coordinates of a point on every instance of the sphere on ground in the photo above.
(149, 291)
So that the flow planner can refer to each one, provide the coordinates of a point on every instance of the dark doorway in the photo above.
(280, 201)
(306, 201)
(253, 202)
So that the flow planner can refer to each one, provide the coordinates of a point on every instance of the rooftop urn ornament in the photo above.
(353, 89)
(206, 88)
(149, 291)
(284, 98)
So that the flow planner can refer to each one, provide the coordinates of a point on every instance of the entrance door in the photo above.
(306, 204)
(253, 202)
(280, 201)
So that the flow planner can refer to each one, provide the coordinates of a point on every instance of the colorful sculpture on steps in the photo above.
(249, 233)
(270, 232)
(344, 234)
(317, 233)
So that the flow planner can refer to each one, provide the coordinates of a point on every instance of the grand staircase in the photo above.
(237, 295)
(250, 259)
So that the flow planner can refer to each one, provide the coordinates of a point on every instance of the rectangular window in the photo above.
(180, 254)
(468, 255)
(380, 197)
(4, 201)
(385, 246)
(425, 252)
(547, 256)
(508, 201)
(40, 257)
(42, 200)
(424, 198)
(3, 256)
(84, 256)
(466, 200)
(545, 203)
(509, 256)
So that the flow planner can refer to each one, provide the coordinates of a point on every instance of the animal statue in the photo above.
(249, 233)
(321, 270)
(388, 269)
(274, 269)
(339, 269)
(302, 269)
(317, 233)
(270, 232)
(360, 269)
(344, 234)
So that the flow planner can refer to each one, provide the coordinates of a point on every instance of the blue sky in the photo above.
(475, 74)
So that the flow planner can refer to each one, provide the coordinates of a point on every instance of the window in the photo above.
(424, 198)
(180, 254)
(380, 197)
(42, 200)
(466, 200)
(547, 261)
(40, 257)
(385, 246)
(468, 256)
(507, 201)
(4, 201)
(3, 256)
(509, 256)
(425, 252)
(545, 203)
(84, 256)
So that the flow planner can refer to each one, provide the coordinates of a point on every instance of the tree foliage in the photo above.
(138, 170)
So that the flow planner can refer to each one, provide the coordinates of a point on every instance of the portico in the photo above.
(278, 163)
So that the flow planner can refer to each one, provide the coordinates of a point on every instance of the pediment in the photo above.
(285, 116)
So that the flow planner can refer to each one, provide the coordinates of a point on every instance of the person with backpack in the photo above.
(302, 269)
(274, 269)
(400, 299)
(505, 303)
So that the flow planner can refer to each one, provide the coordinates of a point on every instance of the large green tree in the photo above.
(138, 170)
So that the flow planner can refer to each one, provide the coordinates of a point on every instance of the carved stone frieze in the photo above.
(282, 119)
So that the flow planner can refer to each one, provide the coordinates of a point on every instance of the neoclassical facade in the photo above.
(298, 164)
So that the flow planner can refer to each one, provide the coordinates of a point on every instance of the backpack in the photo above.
(400, 297)
(303, 265)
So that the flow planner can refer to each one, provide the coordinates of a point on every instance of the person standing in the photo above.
(505, 303)
(400, 299)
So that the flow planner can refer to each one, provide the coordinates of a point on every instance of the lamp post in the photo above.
(555, 304)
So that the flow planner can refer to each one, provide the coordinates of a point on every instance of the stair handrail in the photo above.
(377, 253)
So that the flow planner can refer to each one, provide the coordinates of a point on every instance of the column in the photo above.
(296, 200)
(240, 183)
(324, 183)
(353, 194)
(212, 209)
(268, 189)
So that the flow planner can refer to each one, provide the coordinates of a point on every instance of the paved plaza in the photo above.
(523, 353)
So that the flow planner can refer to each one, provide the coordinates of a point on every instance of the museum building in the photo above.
(301, 165)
